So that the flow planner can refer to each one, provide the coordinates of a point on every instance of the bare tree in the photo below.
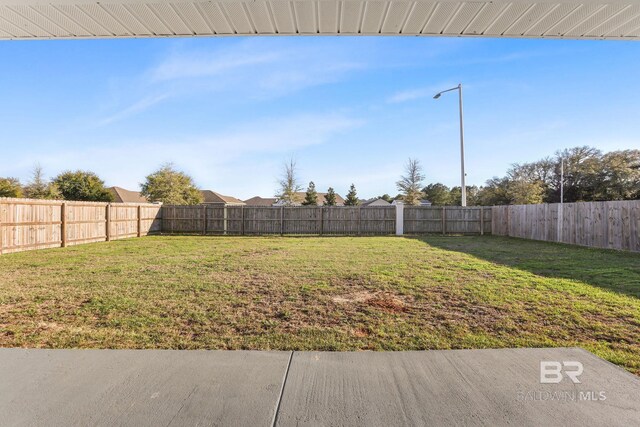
(39, 187)
(410, 184)
(289, 184)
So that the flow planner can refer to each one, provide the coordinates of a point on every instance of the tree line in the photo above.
(166, 185)
(289, 187)
(586, 174)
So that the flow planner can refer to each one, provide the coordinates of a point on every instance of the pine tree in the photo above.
(311, 198)
(352, 197)
(330, 197)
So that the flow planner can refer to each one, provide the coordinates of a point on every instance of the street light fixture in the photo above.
(462, 174)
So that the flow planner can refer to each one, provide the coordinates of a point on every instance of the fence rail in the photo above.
(611, 225)
(27, 224)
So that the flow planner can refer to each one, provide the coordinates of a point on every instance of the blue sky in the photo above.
(231, 111)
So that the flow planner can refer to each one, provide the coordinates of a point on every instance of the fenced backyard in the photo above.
(37, 224)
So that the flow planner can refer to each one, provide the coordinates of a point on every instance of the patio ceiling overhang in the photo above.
(70, 19)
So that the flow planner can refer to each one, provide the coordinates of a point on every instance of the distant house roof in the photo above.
(376, 201)
(261, 201)
(120, 195)
(211, 197)
(299, 197)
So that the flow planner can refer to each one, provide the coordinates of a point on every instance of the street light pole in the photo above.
(463, 186)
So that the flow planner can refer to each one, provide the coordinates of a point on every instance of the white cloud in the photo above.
(212, 159)
(249, 70)
(133, 109)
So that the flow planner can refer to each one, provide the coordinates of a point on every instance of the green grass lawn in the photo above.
(331, 293)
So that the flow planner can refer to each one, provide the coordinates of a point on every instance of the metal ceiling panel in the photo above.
(305, 14)
(573, 19)
(626, 29)
(614, 22)
(235, 12)
(529, 19)
(374, 14)
(463, 18)
(328, 16)
(396, 16)
(595, 20)
(440, 17)
(351, 16)
(489, 13)
(418, 17)
(190, 14)
(106, 21)
(507, 18)
(28, 19)
(122, 14)
(553, 17)
(261, 17)
(48, 25)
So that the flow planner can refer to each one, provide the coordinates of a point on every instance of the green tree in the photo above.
(82, 186)
(10, 187)
(495, 192)
(386, 198)
(39, 188)
(410, 183)
(619, 176)
(311, 197)
(171, 187)
(522, 192)
(289, 185)
(438, 194)
(330, 197)
(352, 197)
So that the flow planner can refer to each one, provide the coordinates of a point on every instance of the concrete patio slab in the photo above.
(457, 387)
(139, 387)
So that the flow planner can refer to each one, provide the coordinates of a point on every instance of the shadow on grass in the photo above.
(608, 269)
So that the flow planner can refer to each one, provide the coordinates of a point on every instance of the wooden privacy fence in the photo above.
(321, 220)
(27, 224)
(447, 220)
(612, 225)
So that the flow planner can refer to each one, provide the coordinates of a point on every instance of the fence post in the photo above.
(282, 220)
(1, 231)
(321, 220)
(139, 220)
(63, 225)
(481, 220)
(224, 220)
(560, 221)
(107, 223)
(359, 218)
(444, 221)
(204, 220)
(242, 220)
(399, 218)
